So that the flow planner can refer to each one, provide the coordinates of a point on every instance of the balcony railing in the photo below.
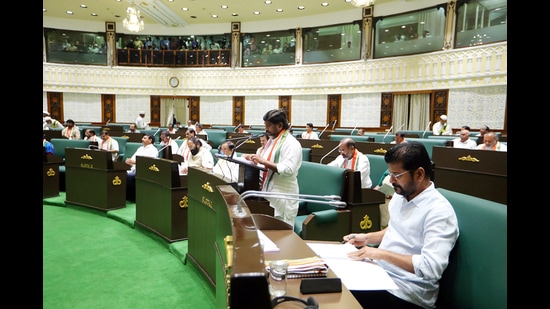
(174, 58)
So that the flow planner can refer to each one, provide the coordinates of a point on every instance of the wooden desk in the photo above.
(246, 272)
(293, 247)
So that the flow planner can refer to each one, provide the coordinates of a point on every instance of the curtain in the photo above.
(410, 111)
(173, 107)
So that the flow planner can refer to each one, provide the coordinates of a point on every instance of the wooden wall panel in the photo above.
(238, 110)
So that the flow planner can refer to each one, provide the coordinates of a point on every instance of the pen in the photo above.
(350, 237)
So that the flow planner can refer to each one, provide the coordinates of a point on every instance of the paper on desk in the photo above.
(268, 244)
(355, 275)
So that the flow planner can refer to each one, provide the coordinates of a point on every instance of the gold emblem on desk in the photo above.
(207, 187)
(380, 150)
(50, 172)
(153, 168)
(317, 146)
(184, 203)
(366, 224)
(86, 157)
(117, 181)
(469, 158)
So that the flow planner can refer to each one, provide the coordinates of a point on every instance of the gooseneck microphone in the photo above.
(321, 161)
(384, 138)
(426, 128)
(334, 124)
(332, 200)
(167, 145)
(243, 142)
(328, 124)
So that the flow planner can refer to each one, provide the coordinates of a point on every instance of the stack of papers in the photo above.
(304, 268)
(355, 275)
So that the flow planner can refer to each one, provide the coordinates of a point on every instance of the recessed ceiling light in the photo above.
(279, 10)
(224, 6)
(185, 9)
(214, 16)
(69, 12)
(234, 14)
(267, 2)
(44, 10)
(256, 13)
(324, 4)
(83, 6)
(301, 7)
(94, 14)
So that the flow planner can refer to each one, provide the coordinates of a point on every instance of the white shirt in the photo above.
(227, 170)
(110, 144)
(361, 164)
(438, 127)
(173, 145)
(426, 228)
(140, 123)
(144, 151)
(471, 144)
(310, 135)
(498, 146)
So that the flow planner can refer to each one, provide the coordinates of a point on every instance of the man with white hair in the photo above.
(442, 127)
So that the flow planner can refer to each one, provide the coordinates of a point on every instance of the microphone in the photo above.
(401, 127)
(321, 161)
(156, 132)
(167, 145)
(334, 124)
(328, 124)
(243, 142)
(351, 133)
(332, 200)
(387, 134)
(426, 128)
(108, 120)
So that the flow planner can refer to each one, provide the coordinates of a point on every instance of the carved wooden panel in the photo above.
(55, 105)
(108, 108)
(386, 110)
(439, 105)
(334, 108)
(194, 109)
(155, 110)
(285, 104)
(238, 110)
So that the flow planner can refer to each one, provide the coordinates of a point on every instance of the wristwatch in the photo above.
(174, 81)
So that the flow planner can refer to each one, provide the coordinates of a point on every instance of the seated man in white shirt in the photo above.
(309, 134)
(166, 139)
(147, 149)
(227, 170)
(464, 140)
(198, 156)
(490, 142)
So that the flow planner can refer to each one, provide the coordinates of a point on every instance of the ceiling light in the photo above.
(132, 21)
(362, 3)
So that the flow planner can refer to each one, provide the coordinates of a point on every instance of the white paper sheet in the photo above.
(268, 244)
(355, 275)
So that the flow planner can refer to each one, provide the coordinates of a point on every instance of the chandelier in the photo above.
(132, 21)
(362, 3)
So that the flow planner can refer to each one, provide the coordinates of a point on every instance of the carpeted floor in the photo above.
(93, 259)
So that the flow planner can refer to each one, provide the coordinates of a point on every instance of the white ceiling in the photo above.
(199, 12)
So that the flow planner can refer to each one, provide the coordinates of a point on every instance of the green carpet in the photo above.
(93, 259)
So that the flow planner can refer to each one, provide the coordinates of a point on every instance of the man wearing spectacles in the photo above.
(423, 228)
(353, 159)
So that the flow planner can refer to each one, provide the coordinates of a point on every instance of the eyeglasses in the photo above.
(396, 176)
(341, 150)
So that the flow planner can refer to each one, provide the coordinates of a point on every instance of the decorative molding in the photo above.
(478, 66)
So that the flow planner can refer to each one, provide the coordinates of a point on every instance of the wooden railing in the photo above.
(174, 58)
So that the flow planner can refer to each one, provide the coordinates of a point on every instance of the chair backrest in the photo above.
(131, 148)
(121, 144)
(377, 167)
(320, 179)
(476, 276)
